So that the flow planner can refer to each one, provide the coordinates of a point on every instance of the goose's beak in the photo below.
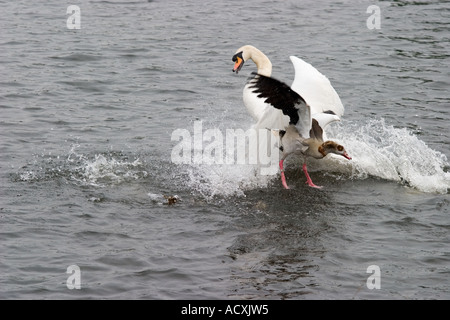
(345, 154)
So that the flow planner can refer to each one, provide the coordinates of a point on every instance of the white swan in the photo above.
(275, 105)
(308, 82)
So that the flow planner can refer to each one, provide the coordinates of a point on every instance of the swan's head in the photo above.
(248, 52)
(238, 60)
(242, 55)
(333, 147)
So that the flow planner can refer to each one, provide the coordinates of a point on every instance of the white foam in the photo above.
(382, 151)
(104, 169)
(377, 150)
(27, 176)
(225, 180)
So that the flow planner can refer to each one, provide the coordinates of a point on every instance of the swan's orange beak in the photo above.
(238, 65)
(238, 62)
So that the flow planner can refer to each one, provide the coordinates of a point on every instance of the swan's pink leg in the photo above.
(283, 178)
(308, 178)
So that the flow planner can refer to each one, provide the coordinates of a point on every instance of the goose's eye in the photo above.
(340, 148)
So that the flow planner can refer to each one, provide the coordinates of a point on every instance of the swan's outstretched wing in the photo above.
(325, 119)
(315, 88)
(281, 97)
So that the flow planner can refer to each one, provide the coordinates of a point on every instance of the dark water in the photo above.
(87, 117)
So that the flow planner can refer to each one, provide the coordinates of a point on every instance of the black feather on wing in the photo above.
(279, 95)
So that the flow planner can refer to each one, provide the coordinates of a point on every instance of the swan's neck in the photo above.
(262, 62)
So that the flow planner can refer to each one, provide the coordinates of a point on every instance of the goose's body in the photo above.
(275, 105)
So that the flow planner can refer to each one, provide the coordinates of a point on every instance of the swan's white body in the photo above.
(308, 82)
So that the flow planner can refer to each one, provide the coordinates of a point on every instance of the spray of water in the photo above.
(377, 149)
(382, 151)
(99, 170)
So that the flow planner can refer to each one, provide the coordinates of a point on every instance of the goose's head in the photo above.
(333, 147)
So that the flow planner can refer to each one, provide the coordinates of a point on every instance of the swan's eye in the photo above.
(237, 56)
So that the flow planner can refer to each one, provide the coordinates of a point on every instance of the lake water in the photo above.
(87, 119)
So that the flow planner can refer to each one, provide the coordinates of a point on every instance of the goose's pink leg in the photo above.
(283, 178)
(308, 178)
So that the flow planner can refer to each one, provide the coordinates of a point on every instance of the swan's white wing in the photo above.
(325, 119)
(280, 97)
(272, 118)
(256, 107)
(315, 88)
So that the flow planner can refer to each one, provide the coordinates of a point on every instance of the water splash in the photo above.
(382, 151)
(107, 169)
(378, 150)
(101, 169)
(224, 180)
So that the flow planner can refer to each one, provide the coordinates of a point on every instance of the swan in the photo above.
(299, 121)
(308, 82)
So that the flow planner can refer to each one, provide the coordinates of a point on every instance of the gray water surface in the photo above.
(87, 118)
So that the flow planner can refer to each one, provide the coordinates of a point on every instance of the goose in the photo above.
(275, 105)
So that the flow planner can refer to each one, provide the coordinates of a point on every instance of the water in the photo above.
(86, 170)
